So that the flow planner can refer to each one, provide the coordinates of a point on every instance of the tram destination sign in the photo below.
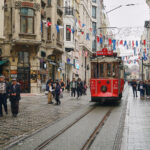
(104, 52)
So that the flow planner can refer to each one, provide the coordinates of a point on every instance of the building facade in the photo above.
(1, 35)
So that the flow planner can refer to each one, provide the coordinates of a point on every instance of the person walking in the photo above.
(50, 96)
(79, 88)
(68, 85)
(14, 97)
(148, 89)
(134, 88)
(3, 95)
(73, 86)
(62, 84)
(142, 89)
(57, 93)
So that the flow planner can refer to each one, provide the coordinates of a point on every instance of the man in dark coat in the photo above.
(14, 97)
(3, 95)
(57, 93)
(134, 87)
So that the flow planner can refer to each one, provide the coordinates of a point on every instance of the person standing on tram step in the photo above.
(134, 88)
(57, 93)
(3, 95)
(14, 97)
(73, 86)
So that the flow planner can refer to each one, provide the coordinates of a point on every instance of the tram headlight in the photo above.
(103, 88)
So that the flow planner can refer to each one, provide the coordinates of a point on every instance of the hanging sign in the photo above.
(104, 52)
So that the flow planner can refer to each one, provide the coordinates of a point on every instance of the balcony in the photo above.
(69, 11)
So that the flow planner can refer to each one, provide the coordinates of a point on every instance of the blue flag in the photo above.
(57, 28)
(136, 43)
(87, 36)
(101, 40)
(114, 44)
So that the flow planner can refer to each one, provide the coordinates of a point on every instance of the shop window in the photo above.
(27, 20)
(68, 33)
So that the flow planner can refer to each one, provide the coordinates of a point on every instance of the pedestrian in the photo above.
(73, 86)
(142, 89)
(134, 88)
(147, 87)
(57, 93)
(68, 85)
(3, 95)
(50, 90)
(62, 84)
(79, 88)
(84, 88)
(14, 97)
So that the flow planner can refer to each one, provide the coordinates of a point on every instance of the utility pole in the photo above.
(142, 69)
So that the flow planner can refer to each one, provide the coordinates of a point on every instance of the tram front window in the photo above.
(101, 70)
(108, 70)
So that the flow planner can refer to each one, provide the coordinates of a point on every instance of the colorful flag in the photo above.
(57, 28)
(87, 36)
(97, 39)
(110, 41)
(101, 40)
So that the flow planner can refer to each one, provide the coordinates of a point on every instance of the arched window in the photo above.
(27, 20)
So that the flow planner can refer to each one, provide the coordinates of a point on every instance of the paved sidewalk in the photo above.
(35, 114)
(137, 124)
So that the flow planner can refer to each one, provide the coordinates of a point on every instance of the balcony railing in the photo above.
(69, 11)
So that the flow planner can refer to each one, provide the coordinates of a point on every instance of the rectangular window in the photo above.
(94, 45)
(49, 2)
(94, 1)
(27, 20)
(49, 30)
(68, 33)
(93, 11)
(23, 58)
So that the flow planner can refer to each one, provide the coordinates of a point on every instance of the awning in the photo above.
(3, 62)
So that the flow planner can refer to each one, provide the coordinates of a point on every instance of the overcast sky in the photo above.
(130, 16)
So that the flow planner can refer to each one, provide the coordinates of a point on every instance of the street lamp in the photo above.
(119, 7)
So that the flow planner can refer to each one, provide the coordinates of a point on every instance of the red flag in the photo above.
(49, 24)
(132, 43)
(97, 39)
(144, 42)
(79, 23)
(121, 42)
(91, 29)
(82, 32)
(145, 50)
(110, 41)
(69, 29)
(101, 35)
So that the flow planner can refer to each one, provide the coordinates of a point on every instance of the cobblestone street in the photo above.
(35, 114)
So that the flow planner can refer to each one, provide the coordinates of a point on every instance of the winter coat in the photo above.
(13, 91)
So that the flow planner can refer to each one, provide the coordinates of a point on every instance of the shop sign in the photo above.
(13, 75)
(13, 72)
(104, 52)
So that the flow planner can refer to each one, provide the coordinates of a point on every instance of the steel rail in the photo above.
(48, 141)
(89, 142)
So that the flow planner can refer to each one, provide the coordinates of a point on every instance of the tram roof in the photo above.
(106, 59)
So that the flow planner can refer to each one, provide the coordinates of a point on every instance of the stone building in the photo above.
(2, 58)
(34, 50)
(85, 45)
(52, 41)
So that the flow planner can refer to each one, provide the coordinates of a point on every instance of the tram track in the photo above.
(48, 141)
(91, 137)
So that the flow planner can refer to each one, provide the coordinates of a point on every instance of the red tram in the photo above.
(107, 76)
